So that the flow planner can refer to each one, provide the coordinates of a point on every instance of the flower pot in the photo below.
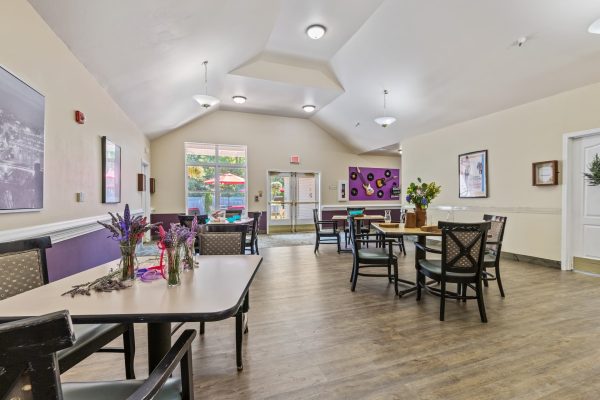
(128, 261)
(421, 217)
(188, 256)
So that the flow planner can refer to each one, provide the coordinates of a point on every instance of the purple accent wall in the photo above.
(386, 177)
(78, 254)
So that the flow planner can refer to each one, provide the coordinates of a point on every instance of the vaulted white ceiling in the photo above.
(443, 61)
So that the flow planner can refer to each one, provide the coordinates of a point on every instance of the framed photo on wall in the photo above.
(21, 145)
(111, 171)
(545, 173)
(473, 175)
(342, 189)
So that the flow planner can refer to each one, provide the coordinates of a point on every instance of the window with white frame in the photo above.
(215, 177)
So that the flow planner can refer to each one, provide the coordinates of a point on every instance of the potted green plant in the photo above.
(421, 194)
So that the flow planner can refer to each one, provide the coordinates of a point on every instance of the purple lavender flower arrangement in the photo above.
(127, 230)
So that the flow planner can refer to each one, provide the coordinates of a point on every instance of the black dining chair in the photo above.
(23, 267)
(374, 257)
(29, 366)
(463, 248)
(252, 241)
(326, 231)
(494, 250)
(225, 239)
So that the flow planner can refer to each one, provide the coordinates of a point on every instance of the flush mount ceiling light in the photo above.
(205, 100)
(384, 122)
(309, 108)
(239, 99)
(316, 31)
(595, 27)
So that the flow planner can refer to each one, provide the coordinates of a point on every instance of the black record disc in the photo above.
(370, 176)
(380, 194)
(354, 191)
(353, 175)
(387, 173)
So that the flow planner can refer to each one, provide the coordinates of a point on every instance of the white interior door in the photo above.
(585, 200)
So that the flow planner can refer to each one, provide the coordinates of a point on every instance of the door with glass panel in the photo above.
(292, 197)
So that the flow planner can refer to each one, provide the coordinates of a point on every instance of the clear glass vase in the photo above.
(388, 216)
(173, 270)
(128, 262)
(188, 256)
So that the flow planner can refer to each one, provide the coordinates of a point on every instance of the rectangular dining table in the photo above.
(214, 291)
(401, 230)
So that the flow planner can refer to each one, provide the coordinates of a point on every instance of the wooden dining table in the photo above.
(400, 230)
(364, 217)
(214, 291)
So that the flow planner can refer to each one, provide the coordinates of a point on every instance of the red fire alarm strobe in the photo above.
(79, 117)
(294, 159)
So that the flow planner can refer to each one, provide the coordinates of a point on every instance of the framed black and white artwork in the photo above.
(21, 145)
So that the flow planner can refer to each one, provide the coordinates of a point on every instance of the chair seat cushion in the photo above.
(85, 333)
(435, 267)
(117, 390)
(374, 254)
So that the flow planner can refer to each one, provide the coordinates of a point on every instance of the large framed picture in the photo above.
(473, 175)
(21, 145)
(111, 171)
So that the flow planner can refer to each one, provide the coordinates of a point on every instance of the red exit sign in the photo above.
(294, 159)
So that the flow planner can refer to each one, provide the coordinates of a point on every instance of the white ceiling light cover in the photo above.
(316, 31)
(595, 27)
(239, 99)
(309, 108)
(206, 101)
(385, 121)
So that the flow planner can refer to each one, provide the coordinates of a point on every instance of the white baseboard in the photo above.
(59, 231)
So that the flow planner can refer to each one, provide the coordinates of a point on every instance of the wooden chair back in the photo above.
(23, 265)
(463, 247)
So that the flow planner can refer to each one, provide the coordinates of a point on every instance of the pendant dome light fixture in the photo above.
(384, 122)
(205, 100)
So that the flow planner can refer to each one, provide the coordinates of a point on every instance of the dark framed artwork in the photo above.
(545, 173)
(111, 171)
(21, 145)
(473, 175)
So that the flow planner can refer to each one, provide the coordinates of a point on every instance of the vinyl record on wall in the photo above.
(353, 176)
(354, 192)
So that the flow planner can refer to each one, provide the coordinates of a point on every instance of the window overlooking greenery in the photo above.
(215, 177)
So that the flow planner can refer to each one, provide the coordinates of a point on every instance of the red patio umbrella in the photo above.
(227, 179)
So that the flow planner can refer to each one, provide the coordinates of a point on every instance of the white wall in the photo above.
(270, 140)
(30, 50)
(514, 138)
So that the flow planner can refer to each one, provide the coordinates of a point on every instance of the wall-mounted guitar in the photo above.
(365, 184)
(381, 182)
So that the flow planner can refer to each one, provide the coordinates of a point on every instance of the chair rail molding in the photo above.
(59, 231)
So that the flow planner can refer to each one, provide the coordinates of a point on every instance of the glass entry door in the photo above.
(292, 197)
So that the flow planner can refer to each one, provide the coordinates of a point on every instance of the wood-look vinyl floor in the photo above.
(311, 337)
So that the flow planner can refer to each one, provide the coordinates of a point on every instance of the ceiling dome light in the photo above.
(239, 99)
(309, 108)
(316, 31)
(205, 100)
(384, 122)
(595, 27)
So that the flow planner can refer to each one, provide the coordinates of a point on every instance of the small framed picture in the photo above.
(473, 174)
(111, 172)
(342, 190)
(545, 173)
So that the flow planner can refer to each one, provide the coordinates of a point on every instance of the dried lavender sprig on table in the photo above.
(107, 283)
